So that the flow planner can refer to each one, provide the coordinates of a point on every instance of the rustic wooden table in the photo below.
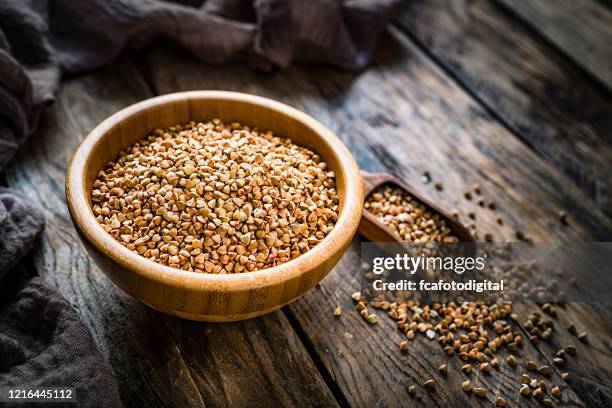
(513, 95)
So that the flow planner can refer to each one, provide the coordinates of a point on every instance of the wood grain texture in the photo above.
(257, 362)
(582, 29)
(158, 360)
(369, 112)
(554, 107)
(591, 369)
(405, 116)
(366, 359)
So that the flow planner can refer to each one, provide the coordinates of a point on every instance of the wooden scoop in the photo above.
(374, 230)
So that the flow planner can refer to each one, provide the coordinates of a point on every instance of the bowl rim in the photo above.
(84, 219)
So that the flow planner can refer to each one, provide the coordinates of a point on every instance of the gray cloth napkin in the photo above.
(42, 340)
(43, 343)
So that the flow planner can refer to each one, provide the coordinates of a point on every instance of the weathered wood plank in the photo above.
(553, 106)
(368, 357)
(360, 110)
(259, 362)
(591, 370)
(404, 115)
(158, 360)
(581, 29)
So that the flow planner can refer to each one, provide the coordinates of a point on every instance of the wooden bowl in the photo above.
(201, 296)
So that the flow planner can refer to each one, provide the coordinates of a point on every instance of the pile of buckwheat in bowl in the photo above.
(216, 198)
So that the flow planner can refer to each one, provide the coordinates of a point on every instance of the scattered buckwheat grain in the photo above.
(338, 311)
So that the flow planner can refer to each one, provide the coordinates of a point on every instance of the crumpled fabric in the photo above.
(42, 340)
(41, 39)
(43, 343)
